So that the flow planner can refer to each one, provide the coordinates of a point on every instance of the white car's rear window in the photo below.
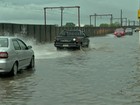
(3, 42)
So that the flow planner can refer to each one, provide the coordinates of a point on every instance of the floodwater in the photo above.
(106, 73)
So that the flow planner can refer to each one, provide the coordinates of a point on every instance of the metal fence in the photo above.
(42, 33)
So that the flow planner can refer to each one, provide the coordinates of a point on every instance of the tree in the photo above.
(70, 24)
(116, 24)
(104, 25)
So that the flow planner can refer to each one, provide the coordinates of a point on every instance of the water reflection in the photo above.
(107, 73)
(133, 89)
(130, 92)
(18, 89)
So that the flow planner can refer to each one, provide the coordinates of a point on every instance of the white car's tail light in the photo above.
(3, 55)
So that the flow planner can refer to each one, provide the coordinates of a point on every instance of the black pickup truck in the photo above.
(71, 39)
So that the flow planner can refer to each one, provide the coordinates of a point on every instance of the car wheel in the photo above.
(59, 48)
(32, 63)
(87, 45)
(79, 47)
(14, 69)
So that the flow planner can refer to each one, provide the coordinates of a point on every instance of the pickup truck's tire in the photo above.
(87, 45)
(79, 47)
(59, 48)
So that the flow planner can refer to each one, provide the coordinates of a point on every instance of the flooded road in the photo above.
(106, 73)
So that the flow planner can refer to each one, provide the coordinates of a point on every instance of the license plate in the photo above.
(65, 45)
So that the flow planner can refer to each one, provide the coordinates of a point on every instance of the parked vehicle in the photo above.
(71, 39)
(15, 55)
(129, 31)
(119, 32)
(137, 29)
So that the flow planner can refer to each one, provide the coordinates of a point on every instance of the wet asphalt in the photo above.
(106, 73)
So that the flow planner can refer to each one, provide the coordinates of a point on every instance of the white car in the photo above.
(15, 55)
(129, 31)
(137, 29)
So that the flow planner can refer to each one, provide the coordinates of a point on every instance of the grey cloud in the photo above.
(12, 10)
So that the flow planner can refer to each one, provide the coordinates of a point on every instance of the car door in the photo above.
(25, 53)
(18, 52)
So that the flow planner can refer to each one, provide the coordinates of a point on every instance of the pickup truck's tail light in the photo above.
(74, 39)
(3, 55)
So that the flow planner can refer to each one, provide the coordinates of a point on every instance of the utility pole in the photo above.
(78, 16)
(95, 18)
(111, 19)
(62, 16)
(45, 16)
(90, 16)
(45, 22)
(121, 17)
(62, 8)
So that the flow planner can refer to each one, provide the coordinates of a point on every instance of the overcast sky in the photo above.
(31, 11)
